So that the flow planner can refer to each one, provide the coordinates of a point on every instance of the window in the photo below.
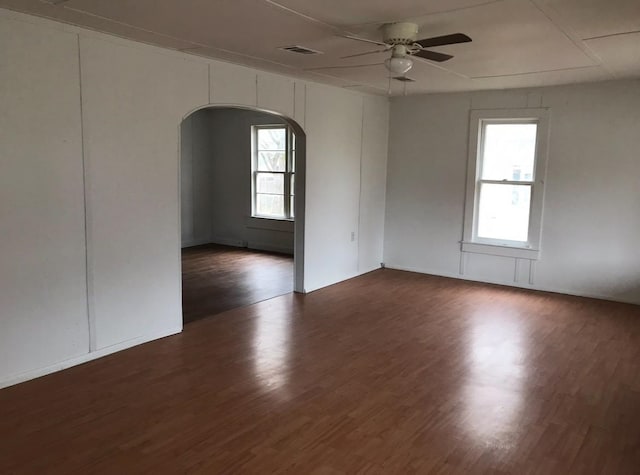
(273, 172)
(507, 157)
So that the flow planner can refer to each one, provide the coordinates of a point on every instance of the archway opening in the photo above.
(242, 177)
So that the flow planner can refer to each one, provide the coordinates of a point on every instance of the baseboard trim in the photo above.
(85, 358)
(366, 270)
(510, 284)
(357, 274)
(267, 247)
(227, 242)
(237, 243)
(195, 242)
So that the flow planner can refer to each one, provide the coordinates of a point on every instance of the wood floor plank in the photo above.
(391, 372)
(217, 278)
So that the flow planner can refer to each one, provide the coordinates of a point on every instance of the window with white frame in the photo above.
(507, 162)
(273, 172)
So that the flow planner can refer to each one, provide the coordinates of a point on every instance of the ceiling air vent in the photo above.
(404, 79)
(300, 50)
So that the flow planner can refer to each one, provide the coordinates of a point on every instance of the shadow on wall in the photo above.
(629, 293)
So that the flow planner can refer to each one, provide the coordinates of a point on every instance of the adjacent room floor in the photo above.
(391, 372)
(217, 278)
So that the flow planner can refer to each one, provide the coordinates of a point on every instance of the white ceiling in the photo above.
(516, 43)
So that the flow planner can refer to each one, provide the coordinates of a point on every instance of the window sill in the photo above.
(498, 250)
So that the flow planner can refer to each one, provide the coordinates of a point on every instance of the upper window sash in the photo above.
(484, 123)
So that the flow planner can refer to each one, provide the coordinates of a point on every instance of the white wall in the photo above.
(334, 128)
(592, 195)
(87, 117)
(133, 102)
(43, 300)
(373, 179)
(216, 182)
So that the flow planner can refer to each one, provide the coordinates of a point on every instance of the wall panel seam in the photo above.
(86, 205)
(360, 180)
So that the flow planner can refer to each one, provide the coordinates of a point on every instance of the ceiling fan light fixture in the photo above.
(399, 65)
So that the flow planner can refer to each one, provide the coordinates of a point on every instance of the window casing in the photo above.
(505, 182)
(273, 172)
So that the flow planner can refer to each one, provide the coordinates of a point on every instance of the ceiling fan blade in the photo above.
(321, 68)
(365, 40)
(403, 79)
(364, 54)
(433, 56)
(444, 40)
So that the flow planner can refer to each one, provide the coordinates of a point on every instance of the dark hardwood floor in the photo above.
(391, 372)
(217, 278)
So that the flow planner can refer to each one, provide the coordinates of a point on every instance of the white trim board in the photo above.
(324, 286)
(269, 248)
(195, 242)
(504, 284)
(37, 373)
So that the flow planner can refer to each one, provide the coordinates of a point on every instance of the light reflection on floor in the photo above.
(271, 345)
(493, 396)
(263, 280)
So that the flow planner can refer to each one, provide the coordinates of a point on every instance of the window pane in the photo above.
(272, 139)
(270, 205)
(504, 212)
(509, 152)
(272, 161)
(270, 183)
(292, 208)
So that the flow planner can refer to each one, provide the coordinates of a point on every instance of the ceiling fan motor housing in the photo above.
(400, 33)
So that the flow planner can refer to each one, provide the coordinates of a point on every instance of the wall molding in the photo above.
(93, 355)
(113, 38)
(516, 285)
(197, 242)
(240, 244)
(268, 247)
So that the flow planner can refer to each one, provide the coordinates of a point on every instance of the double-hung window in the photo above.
(507, 157)
(273, 172)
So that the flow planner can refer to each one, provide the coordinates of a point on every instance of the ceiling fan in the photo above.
(402, 40)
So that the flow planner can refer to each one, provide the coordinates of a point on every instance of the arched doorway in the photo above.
(231, 137)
